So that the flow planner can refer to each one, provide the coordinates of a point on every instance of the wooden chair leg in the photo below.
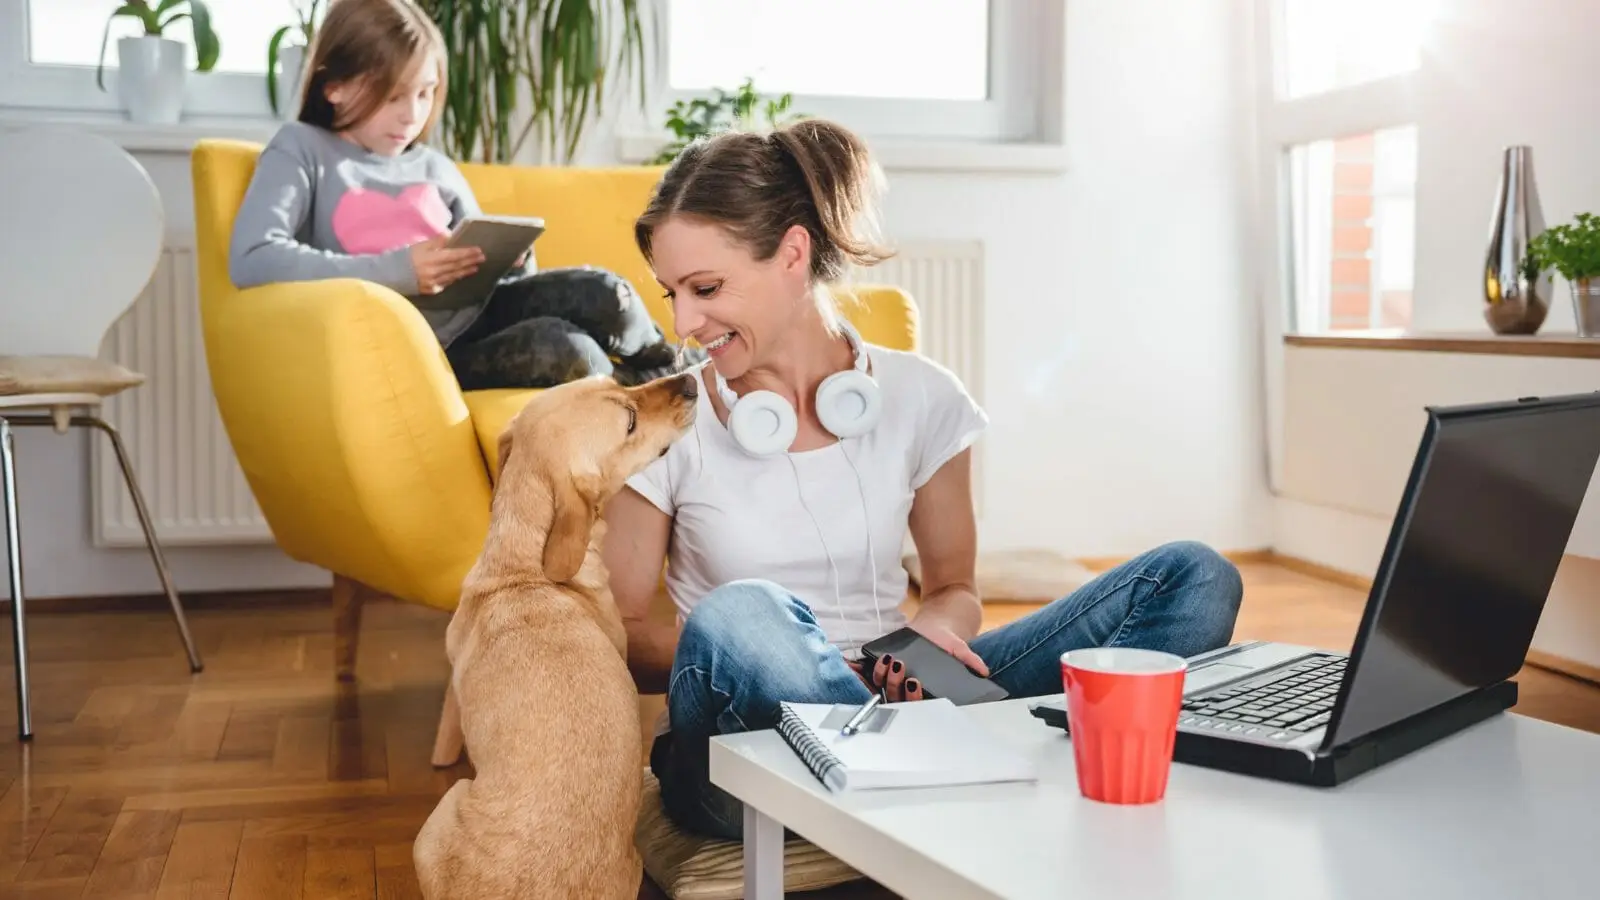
(447, 742)
(348, 595)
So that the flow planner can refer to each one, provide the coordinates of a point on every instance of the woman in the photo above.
(784, 537)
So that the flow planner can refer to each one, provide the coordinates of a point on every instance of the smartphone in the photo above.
(940, 674)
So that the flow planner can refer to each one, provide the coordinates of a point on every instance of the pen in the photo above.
(854, 725)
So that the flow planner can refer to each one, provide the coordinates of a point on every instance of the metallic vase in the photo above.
(1518, 296)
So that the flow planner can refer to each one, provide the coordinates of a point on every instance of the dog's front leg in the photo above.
(448, 740)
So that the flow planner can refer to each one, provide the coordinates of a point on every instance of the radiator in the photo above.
(946, 280)
(191, 481)
(186, 467)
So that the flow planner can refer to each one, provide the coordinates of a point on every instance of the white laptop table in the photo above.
(1509, 808)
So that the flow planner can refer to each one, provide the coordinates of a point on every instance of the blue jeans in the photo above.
(750, 644)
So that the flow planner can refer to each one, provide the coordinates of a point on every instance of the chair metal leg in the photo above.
(19, 630)
(93, 421)
(195, 665)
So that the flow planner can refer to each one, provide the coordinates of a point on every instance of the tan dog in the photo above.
(539, 674)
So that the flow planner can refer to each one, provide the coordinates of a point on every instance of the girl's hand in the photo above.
(438, 266)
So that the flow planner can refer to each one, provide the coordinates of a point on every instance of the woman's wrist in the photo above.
(957, 609)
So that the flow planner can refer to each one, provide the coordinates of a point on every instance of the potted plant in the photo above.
(151, 67)
(538, 70)
(1574, 251)
(700, 116)
(291, 57)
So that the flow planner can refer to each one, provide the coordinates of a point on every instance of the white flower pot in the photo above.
(291, 60)
(150, 77)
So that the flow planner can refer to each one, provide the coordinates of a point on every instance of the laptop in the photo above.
(1487, 512)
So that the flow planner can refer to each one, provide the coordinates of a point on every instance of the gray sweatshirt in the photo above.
(322, 207)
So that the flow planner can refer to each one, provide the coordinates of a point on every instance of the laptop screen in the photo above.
(1485, 520)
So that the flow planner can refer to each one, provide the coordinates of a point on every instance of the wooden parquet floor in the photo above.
(264, 777)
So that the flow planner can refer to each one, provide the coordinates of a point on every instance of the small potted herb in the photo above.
(1573, 250)
(723, 111)
(151, 67)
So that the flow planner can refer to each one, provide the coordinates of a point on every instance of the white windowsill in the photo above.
(632, 148)
(905, 155)
(136, 138)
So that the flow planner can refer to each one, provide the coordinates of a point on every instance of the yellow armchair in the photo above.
(363, 453)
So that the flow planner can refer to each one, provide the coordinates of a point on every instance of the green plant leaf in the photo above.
(272, 66)
(206, 44)
(135, 9)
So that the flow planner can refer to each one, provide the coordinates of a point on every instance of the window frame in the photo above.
(1024, 63)
(55, 88)
(1278, 124)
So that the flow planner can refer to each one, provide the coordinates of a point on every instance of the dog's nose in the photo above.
(688, 385)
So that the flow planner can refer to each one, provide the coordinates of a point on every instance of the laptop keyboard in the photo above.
(1280, 707)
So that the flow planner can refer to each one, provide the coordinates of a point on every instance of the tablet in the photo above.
(502, 239)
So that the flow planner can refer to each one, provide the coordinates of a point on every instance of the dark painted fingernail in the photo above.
(911, 685)
(888, 660)
(897, 667)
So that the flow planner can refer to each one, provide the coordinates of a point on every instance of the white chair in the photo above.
(79, 239)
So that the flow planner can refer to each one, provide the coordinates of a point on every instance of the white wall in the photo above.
(58, 558)
(1495, 74)
(1500, 74)
(1122, 355)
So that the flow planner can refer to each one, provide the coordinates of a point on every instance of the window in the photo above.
(1352, 229)
(945, 69)
(49, 50)
(1337, 116)
(945, 56)
(59, 32)
(1332, 45)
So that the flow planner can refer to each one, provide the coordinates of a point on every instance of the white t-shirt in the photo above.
(736, 516)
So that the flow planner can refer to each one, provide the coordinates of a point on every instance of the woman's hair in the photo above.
(373, 43)
(813, 173)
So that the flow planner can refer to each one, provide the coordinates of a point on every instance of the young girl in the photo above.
(349, 191)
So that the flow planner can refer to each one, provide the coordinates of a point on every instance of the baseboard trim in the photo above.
(1563, 666)
(1318, 570)
(192, 600)
(1237, 557)
(1539, 659)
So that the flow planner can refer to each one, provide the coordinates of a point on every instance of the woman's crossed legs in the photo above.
(750, 644)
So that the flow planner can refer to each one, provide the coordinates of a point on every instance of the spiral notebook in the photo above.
(926, 743)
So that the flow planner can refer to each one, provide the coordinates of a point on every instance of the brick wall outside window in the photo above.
(1354, 258)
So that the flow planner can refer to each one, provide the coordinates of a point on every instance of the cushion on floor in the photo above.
(690, 867)
(1020, 576)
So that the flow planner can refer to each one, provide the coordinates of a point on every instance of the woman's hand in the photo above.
(438, 266)
(939, 633)
(897, 682)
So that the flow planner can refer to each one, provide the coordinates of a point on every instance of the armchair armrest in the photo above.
(352, 433)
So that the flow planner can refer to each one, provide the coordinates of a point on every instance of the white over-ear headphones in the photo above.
(848, 403)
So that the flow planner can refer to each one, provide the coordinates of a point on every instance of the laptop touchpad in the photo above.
(1214, 674)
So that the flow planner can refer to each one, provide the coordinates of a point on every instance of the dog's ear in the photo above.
(571, 523)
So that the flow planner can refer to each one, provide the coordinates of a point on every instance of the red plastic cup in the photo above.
(1122, 711)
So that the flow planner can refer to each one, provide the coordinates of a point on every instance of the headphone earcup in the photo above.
(763, 423)
(849, 403)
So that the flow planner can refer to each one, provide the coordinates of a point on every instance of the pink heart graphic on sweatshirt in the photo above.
(368, 221)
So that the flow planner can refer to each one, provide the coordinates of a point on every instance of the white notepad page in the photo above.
(924, 743)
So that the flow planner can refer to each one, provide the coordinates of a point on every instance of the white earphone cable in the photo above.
(866, 523)
(838, 597)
